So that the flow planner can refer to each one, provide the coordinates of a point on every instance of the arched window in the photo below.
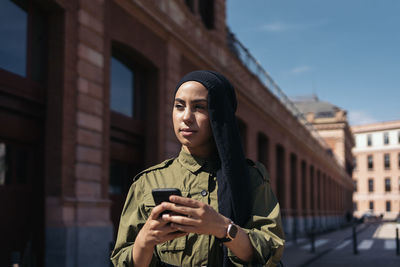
(206, 10)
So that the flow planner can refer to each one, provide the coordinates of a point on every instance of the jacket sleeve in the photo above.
(265, 226)
(132, 219)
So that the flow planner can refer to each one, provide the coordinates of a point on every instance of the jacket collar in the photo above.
(194, 164)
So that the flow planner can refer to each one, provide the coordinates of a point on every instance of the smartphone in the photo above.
(162, 194)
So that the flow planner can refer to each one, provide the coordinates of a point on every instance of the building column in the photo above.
(173, 75)
(79, 231)
(251, 142)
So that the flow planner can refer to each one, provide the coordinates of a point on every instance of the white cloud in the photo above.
(281, 26)
(358, 117)
(300, 69)
(276, 27)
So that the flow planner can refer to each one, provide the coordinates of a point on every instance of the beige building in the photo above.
(377, 169)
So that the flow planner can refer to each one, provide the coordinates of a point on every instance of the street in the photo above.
(376, 245)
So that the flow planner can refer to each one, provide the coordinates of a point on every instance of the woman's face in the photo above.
(191, 121)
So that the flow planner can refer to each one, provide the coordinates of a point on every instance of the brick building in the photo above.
(85, 103)
(377, 172)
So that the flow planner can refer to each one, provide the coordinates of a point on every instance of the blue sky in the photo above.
(347, 52)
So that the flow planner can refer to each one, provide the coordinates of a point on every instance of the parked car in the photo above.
(369, 216)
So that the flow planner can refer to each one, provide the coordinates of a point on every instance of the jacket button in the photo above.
(204, 193)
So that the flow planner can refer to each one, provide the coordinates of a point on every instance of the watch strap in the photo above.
(227, 237)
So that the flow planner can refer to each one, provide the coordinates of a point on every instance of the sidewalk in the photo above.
(299, 253)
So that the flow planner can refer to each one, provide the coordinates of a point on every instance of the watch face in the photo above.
(232, 231)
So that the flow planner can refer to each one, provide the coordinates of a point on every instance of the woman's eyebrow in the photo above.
(199, 100)
(193, 101)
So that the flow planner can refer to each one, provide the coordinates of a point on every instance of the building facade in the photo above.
(377, 169)
(86, 90)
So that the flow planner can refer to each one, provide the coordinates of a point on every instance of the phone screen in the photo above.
(162, 194)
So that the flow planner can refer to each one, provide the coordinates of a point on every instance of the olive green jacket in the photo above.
(196, 179)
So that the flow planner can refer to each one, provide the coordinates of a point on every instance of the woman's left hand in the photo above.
(198, 217)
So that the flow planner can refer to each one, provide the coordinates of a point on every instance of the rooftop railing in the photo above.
(252, 64)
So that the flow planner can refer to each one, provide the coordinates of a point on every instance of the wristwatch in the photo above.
(231, 232)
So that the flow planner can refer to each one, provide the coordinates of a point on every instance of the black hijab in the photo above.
(233, 176)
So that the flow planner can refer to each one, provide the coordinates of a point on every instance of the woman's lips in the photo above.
(187, 132)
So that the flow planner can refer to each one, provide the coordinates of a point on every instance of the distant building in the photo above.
(331, 123)
(377, 169)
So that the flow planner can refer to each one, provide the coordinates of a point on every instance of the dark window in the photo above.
(280, 174)
(355, 185)
(15, 164)
(304, 185)
(388, 206)
(398, 160)
(311, 187)
(370, 185)
(387, 185)
(370, 162)
(371, 205)
(349, 167)
(387, 161)
(122, 88)
(4, 163)
(398, 137)
(369, 140)
(325, 114)
(206, 10)
(13, 36)
(243, 133)
(293, 181)
(121, 175)
(263, 149)
(23, 39)
(355, 208)
(190, 5)
(386, 138)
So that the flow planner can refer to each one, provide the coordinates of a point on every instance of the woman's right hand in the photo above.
(156, 230)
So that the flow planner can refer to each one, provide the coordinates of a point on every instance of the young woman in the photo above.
(227, 214)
